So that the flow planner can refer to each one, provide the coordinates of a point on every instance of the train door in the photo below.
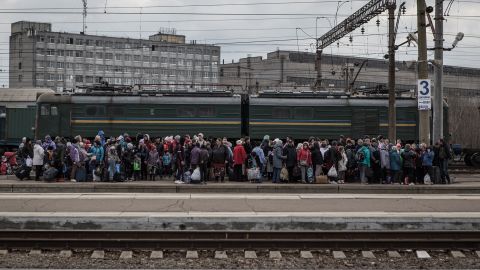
(245, 115)
(365, 121)
(51, 117)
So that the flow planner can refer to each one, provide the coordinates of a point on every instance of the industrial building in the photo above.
(62, 61)
(296, 69)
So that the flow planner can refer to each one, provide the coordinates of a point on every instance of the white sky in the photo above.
(239, 35)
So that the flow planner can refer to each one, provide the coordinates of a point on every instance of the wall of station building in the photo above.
(66, 60)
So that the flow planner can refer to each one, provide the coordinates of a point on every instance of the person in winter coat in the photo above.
(317, 159)
(219, 159)
(127, 160)
(395, 164)
(342, 165)
(180, 159)
(278, 159)
(203, 163)
(239, 157)
(304, 158)
(290, 152)
(385, 163)
(408, 157)
(195, 156)
(363, 159)
(113, 159)
(153, 163)
(38, 158)
(74, 158)
(427, 157)
(443, 156)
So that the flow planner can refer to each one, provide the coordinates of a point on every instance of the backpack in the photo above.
(166, 159)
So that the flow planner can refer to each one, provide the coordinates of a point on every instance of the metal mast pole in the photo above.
(392, 110)
(438, 72)
(423, 115)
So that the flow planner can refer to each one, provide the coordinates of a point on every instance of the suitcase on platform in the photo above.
(321, 179)
(81, 174)
(23, 172)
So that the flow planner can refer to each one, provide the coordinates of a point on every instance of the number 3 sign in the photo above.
(424, 95)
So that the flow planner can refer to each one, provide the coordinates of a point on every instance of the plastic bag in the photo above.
(29, 162)
(332, 172)
(253, 174)
(310, 174)
(196, 175)
(284, 174)
(427, 180)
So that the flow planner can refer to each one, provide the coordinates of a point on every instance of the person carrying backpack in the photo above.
(167, 163)
(363, 160)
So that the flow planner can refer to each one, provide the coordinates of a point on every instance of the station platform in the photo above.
(233, 212)
(463, 184)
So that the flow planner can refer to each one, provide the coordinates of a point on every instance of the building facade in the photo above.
(61, 61)
(288, 68)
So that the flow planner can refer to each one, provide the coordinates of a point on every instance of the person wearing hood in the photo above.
(38, 158)
(101, 134)
(304, 157)
(278, 159)
(48, 142)
(96, 160)
(408, 157)
(385, 163)
(113, 159)
(219, 160)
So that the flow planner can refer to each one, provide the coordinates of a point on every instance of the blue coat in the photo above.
(427, 158)
(395, 161)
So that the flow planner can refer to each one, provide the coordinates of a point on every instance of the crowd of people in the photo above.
(196, 159)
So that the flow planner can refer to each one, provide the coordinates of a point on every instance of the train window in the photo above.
(91, 110)
(303, 113)
(3, 112)
(186, 111)
(45, 110)
(54, 111)
(206, 111)
(281, 113)
(152, 112)
(117, 111)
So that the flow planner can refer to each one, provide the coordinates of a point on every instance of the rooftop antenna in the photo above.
(84, 16)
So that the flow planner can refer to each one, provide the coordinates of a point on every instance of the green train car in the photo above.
(17, 115)
(158, 115)
(302, 117)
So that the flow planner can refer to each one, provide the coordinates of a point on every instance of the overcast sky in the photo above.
(242, 35)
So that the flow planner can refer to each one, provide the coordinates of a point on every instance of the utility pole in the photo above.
(392, 110)
(438, 72)
(423, 115)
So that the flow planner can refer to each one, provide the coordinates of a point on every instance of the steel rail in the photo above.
(24, 239)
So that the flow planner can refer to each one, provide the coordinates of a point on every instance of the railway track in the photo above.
(24, 239)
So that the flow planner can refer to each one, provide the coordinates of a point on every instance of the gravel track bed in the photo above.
(291, 260)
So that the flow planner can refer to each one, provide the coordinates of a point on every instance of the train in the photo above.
(221, 114)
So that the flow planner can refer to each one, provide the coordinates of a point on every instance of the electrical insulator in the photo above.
(378, 22)
(338, 44)
(404, 10)
(362, 30)
(350, 39)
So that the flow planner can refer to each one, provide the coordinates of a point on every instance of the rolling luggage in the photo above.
(81, 174)
(23, 172)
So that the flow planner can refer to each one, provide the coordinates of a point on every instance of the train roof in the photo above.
(333, 101)
(21, 97)
(139, 99)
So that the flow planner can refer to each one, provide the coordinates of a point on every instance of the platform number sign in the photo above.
(424, 95)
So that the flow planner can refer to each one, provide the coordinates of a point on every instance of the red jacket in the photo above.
(239, 155)
(304, 154)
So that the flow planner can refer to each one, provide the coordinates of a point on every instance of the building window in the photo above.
(79, 78)
(128, 57)
(78, 53)
(78, 41)
(69, 53)
(136, 58)
(60, 65)
(108, 55)
(89, 42)
(40, 64)
(60, 77)
(155, 59)
(89, 79)
(69, 40)
(98, 55)
(61, 53)
(50, 52)
(20, 65)
(89, 55)
(98, 43)
(118, 57)
(108, 44)
(146, 59)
